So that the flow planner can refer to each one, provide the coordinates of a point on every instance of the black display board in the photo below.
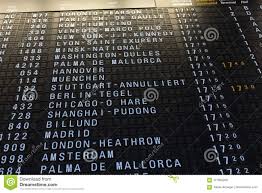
(132, 91)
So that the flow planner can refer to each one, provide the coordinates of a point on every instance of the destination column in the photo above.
(76, 74)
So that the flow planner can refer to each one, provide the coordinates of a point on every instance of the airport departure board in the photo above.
(174, 90)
